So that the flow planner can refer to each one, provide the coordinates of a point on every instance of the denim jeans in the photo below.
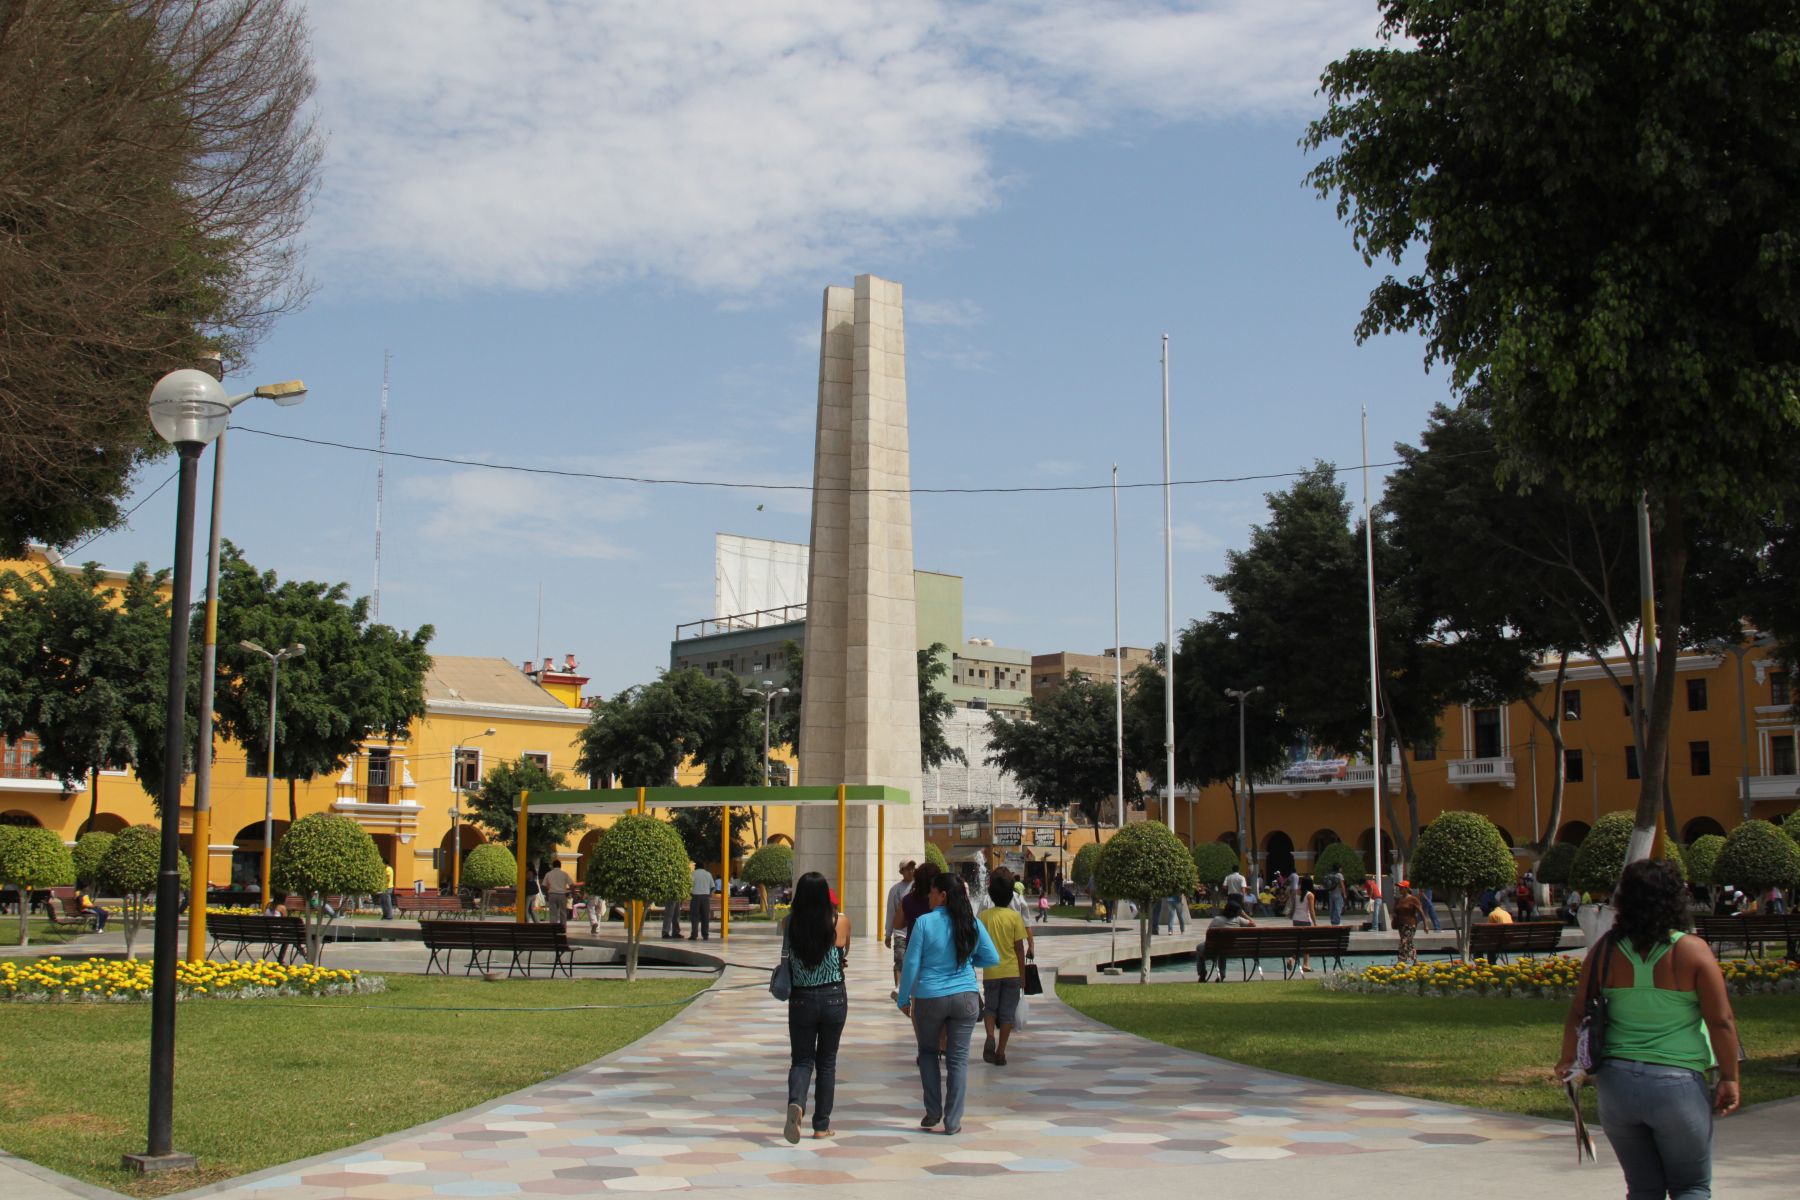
(1334, 902)
(815, 1024)
(945, 1092)
(1659, 1121)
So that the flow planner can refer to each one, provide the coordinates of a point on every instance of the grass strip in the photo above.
(1484, 1052)
(263, 1082)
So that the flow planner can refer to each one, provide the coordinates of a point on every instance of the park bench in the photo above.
(278, 934)
(1288, 944)
(440, 906)
(1495, 942)
(65, 916)
(1751, 932)
(483, 939)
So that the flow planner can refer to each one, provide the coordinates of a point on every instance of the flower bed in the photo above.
(1554, 977)
(99, 980)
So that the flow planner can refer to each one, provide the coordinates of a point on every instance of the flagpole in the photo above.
(1375, 747)
(1118, 668)
(1168, 607)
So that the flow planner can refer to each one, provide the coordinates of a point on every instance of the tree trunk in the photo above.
(1462, 935)
(94, 801)
(635, 934)
(25, 916)
(293, 809)
(315, 932)
(134, 919)
(1544, 838)
(1672, 568)
(1144, 919)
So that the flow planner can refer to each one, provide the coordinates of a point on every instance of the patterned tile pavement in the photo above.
(698, 1104)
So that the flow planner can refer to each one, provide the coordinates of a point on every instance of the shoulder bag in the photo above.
(1590, 1038)
(781, 980)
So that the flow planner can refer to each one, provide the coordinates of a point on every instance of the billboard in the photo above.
(754, 574)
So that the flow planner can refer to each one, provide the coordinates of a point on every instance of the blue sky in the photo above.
(594, 238)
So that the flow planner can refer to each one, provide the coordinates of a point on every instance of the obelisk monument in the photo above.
(859, 701)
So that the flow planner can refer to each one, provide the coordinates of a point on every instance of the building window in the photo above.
(467, 769)
(1487, 733)
(1571, 702)
(1781, 754)
(1572, 769)
(540, 761)
(19, 759)
(1699, 758)
(1424, 753)
(1778, 689)
(1696, 690)
(1631, 768)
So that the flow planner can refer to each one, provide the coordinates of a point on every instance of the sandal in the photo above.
(821, 1133)
(791, 1131)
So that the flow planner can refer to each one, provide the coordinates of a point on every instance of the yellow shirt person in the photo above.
(1007, 928)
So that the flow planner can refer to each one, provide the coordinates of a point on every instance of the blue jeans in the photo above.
(815, 1026)
(1430, 911)
(932, 1015)
(1334, 902)
(1659, 1121)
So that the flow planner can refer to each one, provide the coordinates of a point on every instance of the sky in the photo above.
(593, 239)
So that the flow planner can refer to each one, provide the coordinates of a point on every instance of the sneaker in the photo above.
(791, 1131)
(928, 1121)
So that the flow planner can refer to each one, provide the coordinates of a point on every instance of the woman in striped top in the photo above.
(815, 938)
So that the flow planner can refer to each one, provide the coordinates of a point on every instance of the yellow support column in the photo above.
(842, 891)
(725, 876)
(881, 865)
(200, 857)
(637, 906)
(521, 901)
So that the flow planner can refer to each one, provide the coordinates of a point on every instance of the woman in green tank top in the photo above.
(1669, 1022)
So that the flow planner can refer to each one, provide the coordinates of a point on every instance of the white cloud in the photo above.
(721, 146)
(954, 314)
(534, 515)
(1196, 538)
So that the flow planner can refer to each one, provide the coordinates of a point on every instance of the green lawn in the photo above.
(263, 1082)
(1491, 1053)
(41, 932)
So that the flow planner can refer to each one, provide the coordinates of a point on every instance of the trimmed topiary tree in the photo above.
(1602, 855)
(1344, 857)
(1758, 856)
(90, 848)
(1462, 854)
(33, 858)
(771, 866)
(935, 857)
(1213, 861)
(644, 859)
(1558, 859)
(489, 866)
(1144, 863)
(129, 871)
(1702, 863)
(322, 855)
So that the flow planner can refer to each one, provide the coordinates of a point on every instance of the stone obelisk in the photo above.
(859, 710)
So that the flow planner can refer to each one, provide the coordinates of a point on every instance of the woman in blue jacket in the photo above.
(938, 990)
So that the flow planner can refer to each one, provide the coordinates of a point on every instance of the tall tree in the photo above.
(1594, 204)
(934, 709)
(493, 807)
(158, 162)
(642, 735)
(355, 682)
(1062, 752)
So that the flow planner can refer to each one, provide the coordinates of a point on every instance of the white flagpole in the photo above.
(1168, 608)
(1375, 747)
(1118, 668)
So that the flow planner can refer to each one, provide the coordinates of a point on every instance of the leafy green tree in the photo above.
(1062, 754)
(1341, 856)
(771, 866)
(33, 858)
(1606, 364)
(325, 854)
(1144, 863)
(1462, 854)
(357, 681)
(129, 871)
(1602, 854)
(489, 866)
(641, 736)
(1081, 872)
(1758, 856)
(935, 857)
(1213, 861)
(1703, 860)
(90, 850)
(493, 806)
(699, 831)
(642, 859)
(1556, 864)
(934, 709)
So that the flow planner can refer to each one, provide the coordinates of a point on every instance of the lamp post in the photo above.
(1241, 696)
(456, 792)
(1739, 648)
(768, 691)
(284, 394)
(275, 657)
(189, 410)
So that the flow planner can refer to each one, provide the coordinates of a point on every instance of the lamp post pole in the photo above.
(767, 692)
(1241, 696)
(275, 657)
(456, 791)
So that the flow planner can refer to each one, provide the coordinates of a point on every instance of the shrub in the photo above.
(487, 867)
(90, 848)
(640, 858)
(1703, 857)
(325, 854)
(33, 858)
(1213, 861)
(771, 866)
(1343, 857)
(1554, 866)
(1463, 854)
(1602, 854)
(129, 871)
(1144, 863)
(1081, 872)
(935, 857)
(1758, 856)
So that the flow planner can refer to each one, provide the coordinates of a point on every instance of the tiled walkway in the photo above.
(698, 1104)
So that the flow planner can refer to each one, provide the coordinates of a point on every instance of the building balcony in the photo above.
(1467, 771)
(1350, 779)
(1774, 787)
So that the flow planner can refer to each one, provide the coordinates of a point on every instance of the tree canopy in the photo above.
(491, 806)
(1062, 755)
(1145, 863)
(1463, 854)
(33, 858)
(642, 859)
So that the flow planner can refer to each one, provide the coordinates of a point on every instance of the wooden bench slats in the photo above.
(482, 939)
(1495, 942)
(271, 933)
(1752, 932)
(1251, 944)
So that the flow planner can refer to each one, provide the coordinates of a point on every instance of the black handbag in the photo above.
(1033, 982)
(781, 979)
(1590, 1037)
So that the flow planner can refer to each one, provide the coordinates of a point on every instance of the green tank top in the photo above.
(1645, 1023)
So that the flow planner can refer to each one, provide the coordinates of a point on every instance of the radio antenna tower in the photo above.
(387, 358)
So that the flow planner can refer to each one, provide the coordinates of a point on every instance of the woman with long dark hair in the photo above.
(939, 992)
(1669, 1024)
(815, 938)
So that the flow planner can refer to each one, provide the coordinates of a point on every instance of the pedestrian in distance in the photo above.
(1232, 916)
(533, 889)
(1001, 983)
(1043, 907)
(1669, 1025)
(893, 936)
(938, 990)
(1306, 915)
(558, 883)
(1409, 914)
(816, 938)
(1334, 895)
(700, 897)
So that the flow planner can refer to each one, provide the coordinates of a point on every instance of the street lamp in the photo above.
(284, 394)
(456, 792)
(1241, 696)
(188, 408)
(275, 657)
(1739, 647)
(767, 692)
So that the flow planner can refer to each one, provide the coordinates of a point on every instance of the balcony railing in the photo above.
(1467, 771)
(1774, 787)
(1353, 779)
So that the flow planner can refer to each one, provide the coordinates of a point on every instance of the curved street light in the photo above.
(767, 693)
(456, 794)
(276, 658)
